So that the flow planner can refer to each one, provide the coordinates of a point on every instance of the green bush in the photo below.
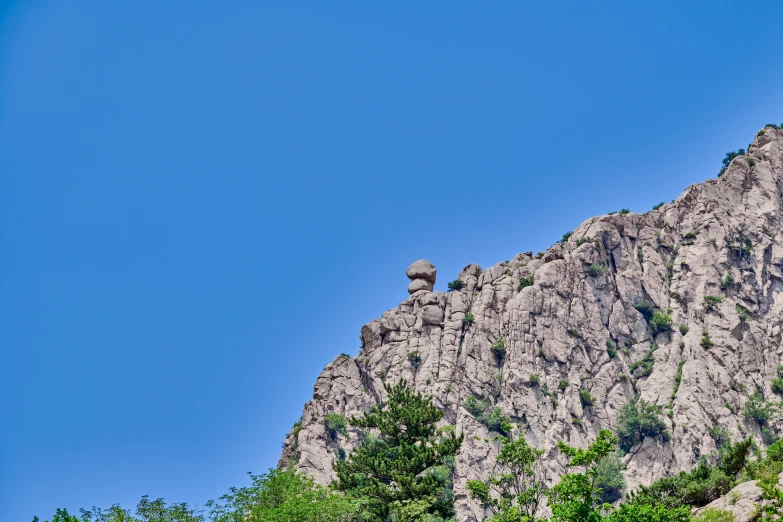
(475, 405)
(711, 300)
(719, 434)
(457, 284)
(415, 359)
(499, 350)
(715, 515)
(534, 379)
(777, 385)
(659, 205)
(566, 236)
(596, 269)
(645, 364)
(586, 398)
(609, 478)
(562, 384)
(728, 159)
(524, 282)
(661, 322)
(611, 349)
(683, 328)
(495, 420)
(645, 308)
(706, 342)
(336, 423)
(624, 211)
(726, 281)
(638, 420)
(677, 378)
(468, 319)
(758, 409)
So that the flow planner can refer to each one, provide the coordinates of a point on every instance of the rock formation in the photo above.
(712, 261)
(422, 276)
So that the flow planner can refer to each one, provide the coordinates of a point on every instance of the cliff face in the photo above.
(584, 294)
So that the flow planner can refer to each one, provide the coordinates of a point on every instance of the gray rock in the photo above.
(558, 328)
(422, 269)
(418, 285)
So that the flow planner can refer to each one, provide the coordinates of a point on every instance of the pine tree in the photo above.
(396, 466)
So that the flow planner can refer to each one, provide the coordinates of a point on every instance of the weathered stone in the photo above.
(422, 269)
(558, 328)
(419, 284)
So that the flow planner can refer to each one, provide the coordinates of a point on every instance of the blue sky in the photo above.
(200, 206)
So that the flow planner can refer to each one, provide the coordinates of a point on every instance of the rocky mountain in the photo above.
(681, 306)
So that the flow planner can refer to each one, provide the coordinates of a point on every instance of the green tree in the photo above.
(576, 498)
(636, 421)
(609, 477)
(391, 469)
(516, 488)
(282, 496)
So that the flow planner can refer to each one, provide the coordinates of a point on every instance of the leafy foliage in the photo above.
(491, 417)
(638, 420)
(336, 423)
(457, 284)
(609, 478)
(586, 398)
(645, 308)
(468, 319)
(596, 269)
(661, 322)
(757, 408)
(515, 489)
(644, 366)
(499, 350)
(700, 486)
(710, 301)
(728, 159)
(390, 470)
(611, 349)
(524, 282)
(280, 496)
(576, 498)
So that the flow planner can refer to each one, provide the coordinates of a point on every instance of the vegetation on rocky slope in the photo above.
(403, 472)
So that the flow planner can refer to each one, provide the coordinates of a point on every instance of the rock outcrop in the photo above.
(422, 276)
(722, 238)
(743, 501)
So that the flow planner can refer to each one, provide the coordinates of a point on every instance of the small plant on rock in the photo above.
(710, 301)
(645, 308)
(596, 269)
(457, 284)
(586, 398)
(611, 349)
(499, 350)
(336, 424)
(661, 322)
(468, 319)
(415, 359)
(524, 282)
(534, 379)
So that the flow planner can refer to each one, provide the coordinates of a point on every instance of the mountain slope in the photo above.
(583, 294)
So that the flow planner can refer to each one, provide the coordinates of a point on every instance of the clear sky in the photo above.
(201, 203)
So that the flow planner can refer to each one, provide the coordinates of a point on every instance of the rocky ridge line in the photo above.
(583, 294)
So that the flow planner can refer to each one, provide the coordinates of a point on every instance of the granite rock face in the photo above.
(721, 238)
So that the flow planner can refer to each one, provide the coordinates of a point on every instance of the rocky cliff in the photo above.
(712, 261)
